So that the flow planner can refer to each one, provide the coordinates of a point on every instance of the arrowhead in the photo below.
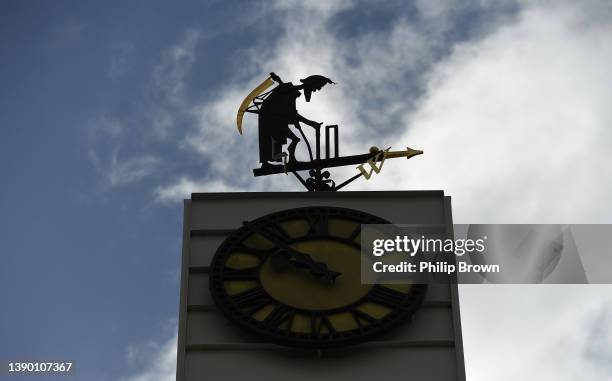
(412, 152)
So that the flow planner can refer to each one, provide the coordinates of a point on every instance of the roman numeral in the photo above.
(259, 253)
(318, 321)
(324, 322)
(250, 273)
(318, 225)
(386, 296)
(272, 233)
(275, 233)
(254, 298)
(355, 232)
(362, 318)
(279, 315)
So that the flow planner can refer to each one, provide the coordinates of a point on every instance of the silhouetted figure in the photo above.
(278, 111)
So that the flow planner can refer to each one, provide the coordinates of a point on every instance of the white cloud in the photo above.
(123, 172)
(167, 96)
(379, 74)
(111, 140)
(105, 152)
(158, 361)
(537, 332)
(183, 188)
(516, 127)
(170, 75)
(309, 46)
(119, 59)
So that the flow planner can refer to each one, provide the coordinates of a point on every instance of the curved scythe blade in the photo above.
(247, 101)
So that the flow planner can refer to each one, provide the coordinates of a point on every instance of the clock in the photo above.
(294, 278)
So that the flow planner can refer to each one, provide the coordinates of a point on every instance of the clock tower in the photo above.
(271, 285)
(270, 289)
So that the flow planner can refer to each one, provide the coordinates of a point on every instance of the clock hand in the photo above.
(301, 260)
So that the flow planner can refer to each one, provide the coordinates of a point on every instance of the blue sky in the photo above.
(112, 112)
(91, 263)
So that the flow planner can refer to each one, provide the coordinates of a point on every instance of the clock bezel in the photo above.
(399, 314)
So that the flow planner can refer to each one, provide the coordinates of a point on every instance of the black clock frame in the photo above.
(402, 308)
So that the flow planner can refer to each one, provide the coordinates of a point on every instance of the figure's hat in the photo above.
(316, 80)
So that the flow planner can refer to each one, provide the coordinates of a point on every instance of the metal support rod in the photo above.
(307, 144)
(337, 162)
(318, 142)
(347, 182)
(318, 179)
(301, 180)
(336, 143)
(327, 142)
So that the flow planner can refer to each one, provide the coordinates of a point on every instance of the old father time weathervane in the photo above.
(277, 111)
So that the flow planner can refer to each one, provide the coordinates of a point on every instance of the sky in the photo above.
(112, 112)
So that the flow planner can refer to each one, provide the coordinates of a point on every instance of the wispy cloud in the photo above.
(380, 74)
(183, 188)
(170, 75)
(123, 172)
(116, 167)
(125, 150)
(69, 31)
(514, 121)
(155, 361)
(119, 59)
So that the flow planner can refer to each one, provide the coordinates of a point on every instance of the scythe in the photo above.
(246, 103)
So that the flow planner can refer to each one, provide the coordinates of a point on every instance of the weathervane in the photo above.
(277, 110)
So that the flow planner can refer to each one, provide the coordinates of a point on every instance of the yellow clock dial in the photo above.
(293, 277)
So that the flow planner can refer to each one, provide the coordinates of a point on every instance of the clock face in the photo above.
(293, 278)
